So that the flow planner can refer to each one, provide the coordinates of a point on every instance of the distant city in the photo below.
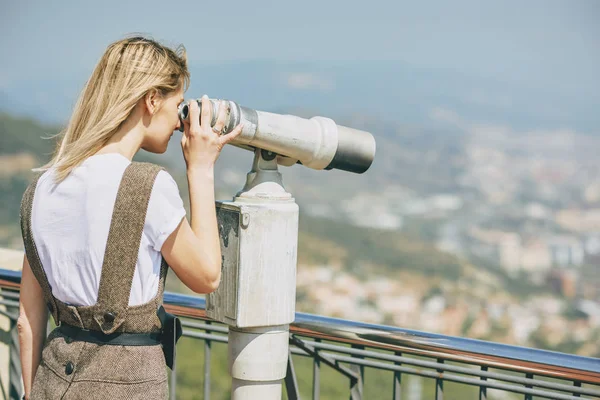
(525, 204)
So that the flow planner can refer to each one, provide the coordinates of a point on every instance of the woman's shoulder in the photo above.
(38, 176)
(165, 209)
(165, 181)
(163, 178)
(142, 167)
(164, 187)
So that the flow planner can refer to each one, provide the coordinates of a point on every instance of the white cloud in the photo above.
(559, 143)
(441, 114)
(308, 81)
(475, 128)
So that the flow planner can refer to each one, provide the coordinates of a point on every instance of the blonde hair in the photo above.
(128, 70)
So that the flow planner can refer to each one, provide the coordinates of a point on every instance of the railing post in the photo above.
(316, 375)
(15, 385)
(356, 385)
(483, 389)
(397, 395)
(7, 343)
(207, 362)
(10, 348)
(173, 383)
(528, 396)
(291, 383)
(439, 383)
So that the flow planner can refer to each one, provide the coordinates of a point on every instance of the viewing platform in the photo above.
(451, 366)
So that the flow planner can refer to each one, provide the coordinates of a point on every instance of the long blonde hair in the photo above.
(127, 71)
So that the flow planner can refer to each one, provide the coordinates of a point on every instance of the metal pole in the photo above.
(207, 356)
(15, 387)
(173, 384)
(258, 362)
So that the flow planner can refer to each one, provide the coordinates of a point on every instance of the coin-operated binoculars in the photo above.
(259, 238)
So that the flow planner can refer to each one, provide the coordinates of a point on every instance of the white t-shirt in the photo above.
(70, 223)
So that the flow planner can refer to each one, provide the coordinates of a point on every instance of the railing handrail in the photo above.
(471, 351)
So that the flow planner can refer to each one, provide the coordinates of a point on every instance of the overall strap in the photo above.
(31, 249)
(123, 245)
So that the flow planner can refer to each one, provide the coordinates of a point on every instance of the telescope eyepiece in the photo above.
(184, 110)
(232, 119)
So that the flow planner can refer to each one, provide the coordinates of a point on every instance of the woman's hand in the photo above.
(201, 144)
(193, 250)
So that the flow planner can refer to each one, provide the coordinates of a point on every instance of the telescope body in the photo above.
(259, 237)
(318, 142)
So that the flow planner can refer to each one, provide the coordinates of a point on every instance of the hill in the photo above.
(25, 144)
(368, 244)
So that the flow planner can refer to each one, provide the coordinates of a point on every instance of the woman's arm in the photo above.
(193, 250)
(32, 322)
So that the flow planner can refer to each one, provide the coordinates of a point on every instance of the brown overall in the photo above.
(72, 369)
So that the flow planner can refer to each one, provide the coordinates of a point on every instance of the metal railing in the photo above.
(350, 348)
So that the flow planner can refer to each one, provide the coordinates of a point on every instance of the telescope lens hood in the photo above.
(355, 151)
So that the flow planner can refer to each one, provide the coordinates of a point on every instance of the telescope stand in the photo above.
(257, 295)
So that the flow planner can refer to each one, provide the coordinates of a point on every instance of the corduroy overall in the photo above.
(72, 369)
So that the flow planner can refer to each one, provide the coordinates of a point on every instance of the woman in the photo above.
(100, 231)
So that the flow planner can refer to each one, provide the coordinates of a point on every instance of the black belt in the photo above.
(170, 333)
(115, 339)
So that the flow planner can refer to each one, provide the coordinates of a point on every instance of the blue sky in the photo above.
(544, 45)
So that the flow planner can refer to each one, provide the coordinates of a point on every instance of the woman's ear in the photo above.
(152, 100)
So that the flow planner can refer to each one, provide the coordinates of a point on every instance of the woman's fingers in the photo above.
(194, 117)
(222, 117)
(231, 135)
(202, 143)
(206, 117)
